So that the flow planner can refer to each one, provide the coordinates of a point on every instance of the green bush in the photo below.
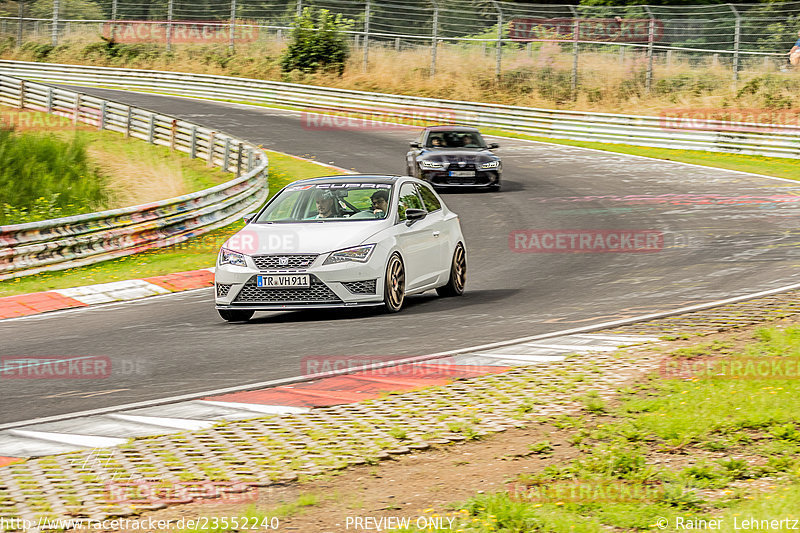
(43, 177)
(318, 43)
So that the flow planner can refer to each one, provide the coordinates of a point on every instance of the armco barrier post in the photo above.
(211, 142)
(103, 110)
(77, 109)
(128, 120)
(226, 154)
(172, 133)
(193, 143)
(151, 129)
(239, 149)
(22, 94)
(49, 99)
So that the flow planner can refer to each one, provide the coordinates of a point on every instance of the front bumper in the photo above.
(482, 178)
(339, 285)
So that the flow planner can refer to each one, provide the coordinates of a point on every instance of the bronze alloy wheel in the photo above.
(458, 274)
(394, 290)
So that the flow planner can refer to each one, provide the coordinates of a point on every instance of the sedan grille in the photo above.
(283, 262)
(361, 287)
(318, 292)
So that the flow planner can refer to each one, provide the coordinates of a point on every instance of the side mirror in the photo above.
(412, 215)
(414, 144)
(248, 217)
(493, 146)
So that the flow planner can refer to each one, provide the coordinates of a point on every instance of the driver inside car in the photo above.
(326, 205)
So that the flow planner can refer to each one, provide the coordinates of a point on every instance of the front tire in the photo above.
(235, 315)
(458, 274)
(394, 286)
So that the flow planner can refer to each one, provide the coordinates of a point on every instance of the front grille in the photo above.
(318, 292)
(223, 289)
(283, 261)
(361, 287)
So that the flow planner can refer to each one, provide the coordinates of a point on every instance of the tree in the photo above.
(318, 42)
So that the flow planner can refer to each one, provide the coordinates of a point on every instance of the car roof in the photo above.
(452, 128)
(365, 178)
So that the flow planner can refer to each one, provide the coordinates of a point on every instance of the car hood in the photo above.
(303, 237)
(454, 156)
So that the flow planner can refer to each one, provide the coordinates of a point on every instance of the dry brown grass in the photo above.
(607, 81)
(137, 181)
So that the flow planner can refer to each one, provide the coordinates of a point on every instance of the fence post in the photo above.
(576, 32)
(54, 33)
(128, 121)
(299, 7)
(211, 143)
(366, 35)
(113, 19)
(435, 35)
(22, 94)
(21, 22)
(233, 25)
(651, 35)
(169, 26)
(737, 30)
(250, 159)
(529, 49)
(499, 59)
(151, 129)
(49, 99)
(397, 44)
(193, 143)
(669, 58)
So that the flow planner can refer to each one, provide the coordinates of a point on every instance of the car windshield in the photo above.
(455, 139)
(329, 202)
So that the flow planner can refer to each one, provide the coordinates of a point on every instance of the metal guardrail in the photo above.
(85, 239)
(773, 140)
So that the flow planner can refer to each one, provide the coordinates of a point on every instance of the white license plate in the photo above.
(462, 173)
(298, 280)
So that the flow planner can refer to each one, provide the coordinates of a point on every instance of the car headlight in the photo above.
(360, 254)
(431, 164)
(229, 257)
(490, 164)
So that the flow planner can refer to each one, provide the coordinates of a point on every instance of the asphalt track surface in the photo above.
(725, 234)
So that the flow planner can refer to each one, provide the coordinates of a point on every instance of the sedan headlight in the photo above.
(431, 164)
(490, 164)
(360, 254)
(229, 257)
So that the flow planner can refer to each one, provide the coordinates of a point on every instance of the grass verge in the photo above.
(50, 168)
(710, 442)
(190, 255)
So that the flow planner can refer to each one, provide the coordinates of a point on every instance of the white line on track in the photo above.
(483, 347)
